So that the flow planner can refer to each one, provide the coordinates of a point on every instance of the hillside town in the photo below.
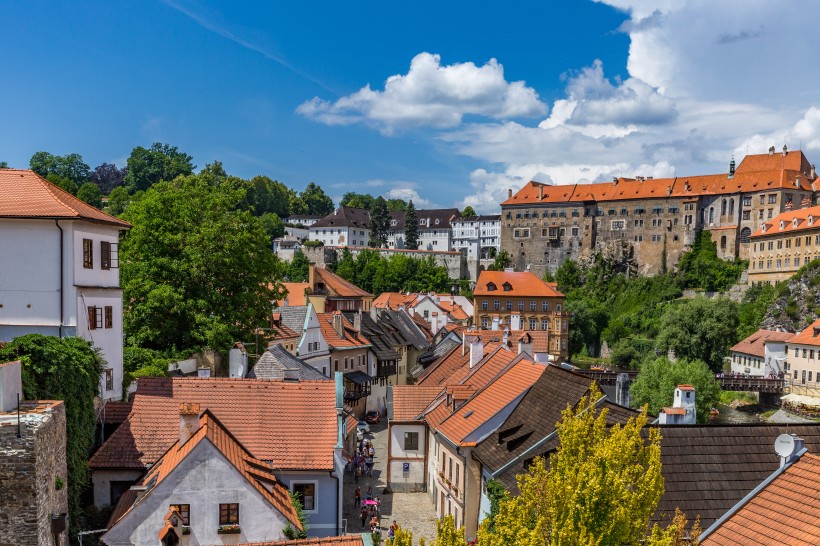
(350, 416)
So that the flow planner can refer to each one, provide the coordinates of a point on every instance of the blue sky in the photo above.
(481, 96)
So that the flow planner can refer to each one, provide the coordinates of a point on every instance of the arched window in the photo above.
(731, 207)
(745, 233)
(711, 215)
(723, 208)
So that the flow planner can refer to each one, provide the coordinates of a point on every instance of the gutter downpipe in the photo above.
(62, 280)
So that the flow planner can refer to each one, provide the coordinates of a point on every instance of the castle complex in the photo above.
(542, 225)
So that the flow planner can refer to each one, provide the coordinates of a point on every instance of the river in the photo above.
(732, 416)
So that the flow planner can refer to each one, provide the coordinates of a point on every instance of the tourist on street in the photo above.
(369, 492)
(357, 497)
(363, 515)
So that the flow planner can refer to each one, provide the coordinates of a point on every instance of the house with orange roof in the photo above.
(522, 301)
(438, 310)
(267, 418)
(653, 220)
(206, 485)
(802, 369)
(762, 354)
(60, 269)
(328, 292)
(784, 244)
(349, 354)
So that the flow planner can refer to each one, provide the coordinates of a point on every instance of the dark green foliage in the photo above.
(357, 200)
(379, 223)
(699, 329)
(65, 369)
(146, 167)
(400, 272)
(501, 262)
(411, 228)
(4, 165)
(273, 225)
(65, 184)
(265, 196)
(629, 352)
(753, 308)
(140, 362)
(397, 205)
(196, 270)
(468, 212)
(118, 200)
(316, 201)
(496, 494)
(91, 194)
(701, 267)
(291, 532)
(70, 166)
(297, 269)
(656, 382)
(589, 318)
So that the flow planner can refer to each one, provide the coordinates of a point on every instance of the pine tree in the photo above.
(411, 228)
(379, 223)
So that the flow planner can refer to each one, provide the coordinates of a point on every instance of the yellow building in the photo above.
(522, 301)
(783, 245)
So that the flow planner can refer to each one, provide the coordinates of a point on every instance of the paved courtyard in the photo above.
(412, 511)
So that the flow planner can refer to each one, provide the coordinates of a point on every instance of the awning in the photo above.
(358, 377)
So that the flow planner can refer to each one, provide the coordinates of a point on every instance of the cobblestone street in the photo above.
(412, 511)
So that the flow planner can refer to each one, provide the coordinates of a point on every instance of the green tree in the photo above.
(196, 270)
(118, 200)
(702, 268)
(501, 262)
(159, 162)
(655, 385)
(273, 225)
(588, 319)
(290, 531)
(568, 276)
(297, 269)
(468, 212)
(700, 329)
(91, 194)
(602, 485)
(316, 201)
(379, 223)
(752, 310)
(397, 205)
(265, 195)
(4, 165)
(295, 203)
(70, 166)
(357, 200)
(65, 369)
(411, 228)
(107, 176)
(65, 184)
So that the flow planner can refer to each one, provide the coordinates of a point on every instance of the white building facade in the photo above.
(62, 278)
(347, 226)
(480, 236)
(435, 231)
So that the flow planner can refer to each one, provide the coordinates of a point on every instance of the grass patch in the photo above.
(727, 397)
(768, 413)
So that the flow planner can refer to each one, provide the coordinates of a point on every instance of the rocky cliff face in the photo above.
(619, 253)
(798, 301)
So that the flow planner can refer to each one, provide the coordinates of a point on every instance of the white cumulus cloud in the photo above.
(431, 95)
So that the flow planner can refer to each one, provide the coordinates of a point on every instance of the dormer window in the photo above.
(507, 287)
(794, 222)
(491, 287)
(811, 219)
(393, 222)
(782, 223)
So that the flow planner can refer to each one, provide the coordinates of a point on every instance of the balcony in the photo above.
(386, 368)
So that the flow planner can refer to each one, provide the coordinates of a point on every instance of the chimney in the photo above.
(732, 168)
(686, 186)
(496, 323)
(357, 321)
(188, 421)
(476, 351)
(614, 180)
(338, 324)
(11, 385)
(525, 345)
(785, 150)
(505, 336)
(463, 343)
(515, 321)
(540, 192)
(813, 173)
(771, 150)
(668, 191)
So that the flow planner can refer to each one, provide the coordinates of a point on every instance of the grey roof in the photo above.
(273, 363)
(381, 340)
(441, 348)
(293, 317)
(442, 215)
(345, 217)
(405, 328)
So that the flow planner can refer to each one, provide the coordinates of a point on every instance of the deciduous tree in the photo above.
(159, 162)
(70, 166)
(118, 200)
(107, 177)
(316, 201)
(468, 212)
(657, 379)
(91, 194)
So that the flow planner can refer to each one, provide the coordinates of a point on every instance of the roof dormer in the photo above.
(506, 286)
(491, 287)
(782, 224)
(794, 222)
(811, 219)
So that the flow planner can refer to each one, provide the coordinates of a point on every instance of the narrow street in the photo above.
(412, 511)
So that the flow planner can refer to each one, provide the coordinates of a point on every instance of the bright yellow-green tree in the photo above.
(602, 485)
(447, 534)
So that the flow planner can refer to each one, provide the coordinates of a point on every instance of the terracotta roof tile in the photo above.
(337, 286)
(786, 511)
(792, 221)
(409, 401)
(257, 472)
(116, 412)
(522, 283)
(807, 336)
(25, 194)
(267, 417)
(296, 294)
(352, 339)
(540, 338)
(393, 300)
(754, 345)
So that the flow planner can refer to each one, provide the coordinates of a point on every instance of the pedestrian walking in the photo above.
(357, 498)
(363, 515)
(369, 492)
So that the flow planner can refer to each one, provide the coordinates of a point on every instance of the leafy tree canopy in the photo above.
(197, 271)
(656, 382)
(265, 196)
(65, 184)
(357, 200)
(91, 194)
(159, 162)
(65, 369)
(702, 268)
(107, 177)
(69, 166)
(501, 262)
(4, 165)
(316, 201)
(699, 329)
(118, 200)
(468, 212)
(297, 269)
(400, 272)
(273, 225)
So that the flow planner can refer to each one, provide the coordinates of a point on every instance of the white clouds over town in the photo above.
(699, 90)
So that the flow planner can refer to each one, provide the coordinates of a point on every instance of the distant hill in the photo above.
(797, 303)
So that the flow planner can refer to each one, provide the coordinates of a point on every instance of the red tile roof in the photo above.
(393, 300)
(116, 412)
(540, 338)
(784, 512)
(792, 221)
(296, 294)
(409, 401)
(337, 286)
(522, 283)
(25, 194)
(807, 336)
(489, 401)
(258, 473)
(755, 344)
(352, 339)
(267, 417)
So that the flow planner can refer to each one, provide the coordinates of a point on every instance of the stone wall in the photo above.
(30, 467)
(454, 262)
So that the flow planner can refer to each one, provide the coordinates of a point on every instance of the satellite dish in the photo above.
(784, 445)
